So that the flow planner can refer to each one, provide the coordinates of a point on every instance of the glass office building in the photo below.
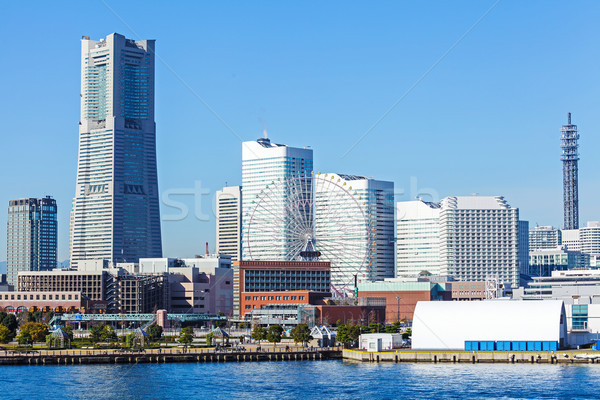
(115, 214)
(31, 236)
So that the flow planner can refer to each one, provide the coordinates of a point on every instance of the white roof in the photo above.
(475, 203)
(448, 324)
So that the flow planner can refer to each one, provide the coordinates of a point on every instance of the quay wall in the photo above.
(142, 358)
(474, 357)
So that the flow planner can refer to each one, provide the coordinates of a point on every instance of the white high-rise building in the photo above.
(589, 238)
(544, 237)
(478, 238)
(369, 250)
(417, 238)
(265, 163)
(115, 214)
(229, 221)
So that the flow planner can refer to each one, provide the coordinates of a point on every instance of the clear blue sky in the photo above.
(485, 120)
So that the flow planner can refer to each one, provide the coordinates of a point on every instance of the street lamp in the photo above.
(398, 308)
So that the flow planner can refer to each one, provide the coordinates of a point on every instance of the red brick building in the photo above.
(264, 283)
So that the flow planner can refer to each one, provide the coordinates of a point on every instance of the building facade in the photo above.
(401, 297)
(476, 238)
(31, 243)
(417, 238)
(544, 237)
(265, 163)
(479, 239)
(369, 249)
(281, 282)
(115, 214)
(229, 221)
(543, 262)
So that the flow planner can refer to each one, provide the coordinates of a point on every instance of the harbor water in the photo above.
(301, 379)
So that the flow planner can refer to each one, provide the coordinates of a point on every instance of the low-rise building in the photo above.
(580, 292)
(401, 296)
(42, 301)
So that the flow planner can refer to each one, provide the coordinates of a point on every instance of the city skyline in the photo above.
(434, 134)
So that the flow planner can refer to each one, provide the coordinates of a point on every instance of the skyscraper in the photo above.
(417, 238)
(115, 214)
(31, 236)
(476, 238)
(229, 223)
(265, 163)
(371, 250)
(570, 157)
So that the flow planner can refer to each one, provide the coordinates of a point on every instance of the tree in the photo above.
(33, 331)
(209, 338)
(259, 333)
(186, 336)
(274, 334)
(155, 332)
(393, 328)
(69, 331)
(9, 321)
(354, 333)
(102, 333)
(301, 333)
(5, 334)
(342, 335)
(130, 340)
(407, 334)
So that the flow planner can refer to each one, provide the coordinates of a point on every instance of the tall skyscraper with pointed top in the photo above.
(570, 157)
(115, 214)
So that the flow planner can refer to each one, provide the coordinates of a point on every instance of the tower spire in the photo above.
(570, 158)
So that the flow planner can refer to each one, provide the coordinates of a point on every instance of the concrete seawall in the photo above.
(474, 357)
(141, 358)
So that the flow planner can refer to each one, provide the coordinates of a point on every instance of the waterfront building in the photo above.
(115, 214)
(476, 238)
(264, 163)
(200, 285)
(479, 239)
(544, 237)
(59, 302)
(111, 290)
(417, 238)
(401, 296)
(371, 248)
(580, 292)
(31, 242)
(449, 325)
(265, 283)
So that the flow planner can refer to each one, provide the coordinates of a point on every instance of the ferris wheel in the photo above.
(314, 217)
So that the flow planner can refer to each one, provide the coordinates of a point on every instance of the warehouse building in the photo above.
(489, 325)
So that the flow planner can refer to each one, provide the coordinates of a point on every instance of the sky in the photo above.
(445, 98)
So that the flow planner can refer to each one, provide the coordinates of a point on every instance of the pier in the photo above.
(76, 357)
(476, 357)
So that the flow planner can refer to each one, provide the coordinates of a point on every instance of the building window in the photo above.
(301, 297)
(580, 316)
(247, 297)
